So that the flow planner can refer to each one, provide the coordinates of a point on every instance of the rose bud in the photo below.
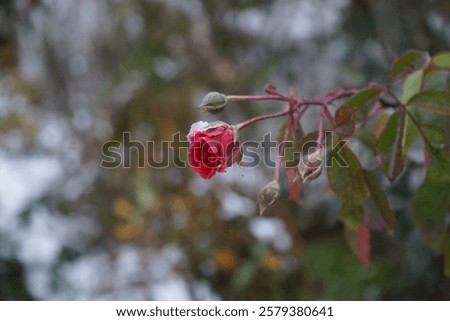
(267, 195)
(213, 147)
(213, 102)
(310, 167)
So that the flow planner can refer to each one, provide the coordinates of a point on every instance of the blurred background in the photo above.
(76, 74)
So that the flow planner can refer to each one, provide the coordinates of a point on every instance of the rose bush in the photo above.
(213, 147)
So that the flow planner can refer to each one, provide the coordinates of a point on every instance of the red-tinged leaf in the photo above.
(380, 200)
(364, 245)
(293, 184)
(430, 206)
(391, 145)
(442, 59)
(345, 176)
(434, 100)
(446, 251)
(345, 121)
(380, 125)
(426, 159)
(407, 63)
(356, 231)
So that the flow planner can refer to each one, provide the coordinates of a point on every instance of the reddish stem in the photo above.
(257, 98)
(276, 173)
(258, 118)
(321, 100)
(328, 114)
(320, 135)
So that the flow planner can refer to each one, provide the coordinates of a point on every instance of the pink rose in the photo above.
(212, 148)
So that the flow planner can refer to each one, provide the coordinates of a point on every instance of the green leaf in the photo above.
(435, 79)
(439, 168)
(367, 137)
(430, 205)
(407, 63)
(351, 215)
(380, 199)
(347, 182)
(360, 99)
(345, 121)
(412, 134)
(289, 150)
(305, 143)
(391, 146)
(435, 136)
(363, 101)
(387, 137)
(412, 85)
(442, 59)
(434, 100)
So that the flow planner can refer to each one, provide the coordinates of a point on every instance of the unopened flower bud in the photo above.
(310, 167)
(271, 89)
(213, 102)
(267, 195)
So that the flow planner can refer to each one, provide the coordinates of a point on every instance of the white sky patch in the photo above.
(290, 20)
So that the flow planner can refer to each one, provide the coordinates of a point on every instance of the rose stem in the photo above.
(258, 118)
(276, 173)
(320, 135)
(256, 98)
